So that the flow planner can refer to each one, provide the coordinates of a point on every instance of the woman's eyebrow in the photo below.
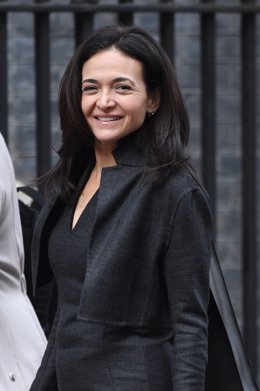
(116, 80)
(89, 81)
(121, 78)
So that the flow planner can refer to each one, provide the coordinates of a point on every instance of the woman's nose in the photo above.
(105, 100)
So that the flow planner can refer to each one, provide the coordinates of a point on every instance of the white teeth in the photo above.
(107, 119)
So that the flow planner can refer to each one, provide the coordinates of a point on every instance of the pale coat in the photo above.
(22, 341)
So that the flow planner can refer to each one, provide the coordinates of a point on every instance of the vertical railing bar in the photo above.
(42, 82)
(83, 26)
(248, 111)
(127, 18)
(3, 77)
(167, 32)
(208, 104)
(83, 22)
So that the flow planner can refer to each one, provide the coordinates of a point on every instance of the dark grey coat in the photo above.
(147, 274)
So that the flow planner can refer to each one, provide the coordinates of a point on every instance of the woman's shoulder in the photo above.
(183, 182)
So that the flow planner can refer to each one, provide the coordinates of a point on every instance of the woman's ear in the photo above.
(154, 101)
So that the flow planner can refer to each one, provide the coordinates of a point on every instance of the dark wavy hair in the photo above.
(163, 137)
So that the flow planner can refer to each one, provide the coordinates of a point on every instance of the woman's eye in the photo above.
(89, 89)
(123, 88)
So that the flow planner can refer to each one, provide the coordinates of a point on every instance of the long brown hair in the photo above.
(163, 137)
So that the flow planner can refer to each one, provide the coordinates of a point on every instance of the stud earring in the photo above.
(151, 113)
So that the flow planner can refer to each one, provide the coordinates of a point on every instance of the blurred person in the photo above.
(22, 341)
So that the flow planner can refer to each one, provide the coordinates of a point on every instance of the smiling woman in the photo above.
(114, 100)
(126, 231)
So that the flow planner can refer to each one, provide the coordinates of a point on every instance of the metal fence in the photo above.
(84, 13)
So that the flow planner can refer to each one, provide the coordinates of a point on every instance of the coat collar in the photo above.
(128, 154)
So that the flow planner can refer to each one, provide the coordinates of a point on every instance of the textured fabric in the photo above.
(146, 288)
(67, 251)
(22, 342)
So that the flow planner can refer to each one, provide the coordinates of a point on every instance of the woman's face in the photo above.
(114, 97)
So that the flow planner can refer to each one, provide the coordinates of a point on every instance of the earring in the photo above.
(151, 113)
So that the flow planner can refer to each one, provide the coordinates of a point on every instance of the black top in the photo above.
(68, 254)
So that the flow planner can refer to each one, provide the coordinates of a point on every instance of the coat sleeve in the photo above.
(187, 279)
(45, 379)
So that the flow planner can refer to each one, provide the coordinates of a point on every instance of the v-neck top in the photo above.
(68, 251)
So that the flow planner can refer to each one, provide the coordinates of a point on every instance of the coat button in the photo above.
(12, 376)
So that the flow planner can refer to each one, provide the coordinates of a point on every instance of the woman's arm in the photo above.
(187, 278)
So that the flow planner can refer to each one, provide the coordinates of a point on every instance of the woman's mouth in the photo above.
(109, 119)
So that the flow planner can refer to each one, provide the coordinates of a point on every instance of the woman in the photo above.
(126, 232)
(22, 340)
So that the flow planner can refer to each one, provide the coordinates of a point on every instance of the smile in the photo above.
(108, 119)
